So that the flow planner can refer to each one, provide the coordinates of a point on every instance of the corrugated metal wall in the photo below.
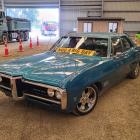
(70, 10)
(128, 9)
(31, 3)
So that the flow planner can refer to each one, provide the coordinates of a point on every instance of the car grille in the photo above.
(37, 91)
(5, 82)
(7, 87)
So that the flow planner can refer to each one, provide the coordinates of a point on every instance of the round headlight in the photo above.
(58, 95)
(0, 79)
(51, 92)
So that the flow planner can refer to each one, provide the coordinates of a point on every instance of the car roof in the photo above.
(95, 34)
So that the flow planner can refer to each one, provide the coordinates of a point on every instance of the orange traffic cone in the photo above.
(37, 43)
(6, 51)
(31, 46)
(20, 49)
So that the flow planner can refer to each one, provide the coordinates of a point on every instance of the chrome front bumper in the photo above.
(13, 90)
(62, 102)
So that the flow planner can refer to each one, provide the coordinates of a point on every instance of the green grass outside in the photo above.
(138, 36)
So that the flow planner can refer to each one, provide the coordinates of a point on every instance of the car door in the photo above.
(122, 56)
(114, 67)
(117, 58)
(128, 54)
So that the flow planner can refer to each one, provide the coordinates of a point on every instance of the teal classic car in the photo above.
(74, 72)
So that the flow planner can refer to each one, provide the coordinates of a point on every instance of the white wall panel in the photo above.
(122, 6)
(129, 16)
(81, 2)
(72, 14)
(127, 9)
(132, 26)
(67, 27)
(72, 9)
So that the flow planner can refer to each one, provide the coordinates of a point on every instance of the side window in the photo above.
(116, 46)
(113, 27)
(126, 44)
(87, 27)
(88, 44)
(100, 45)
(73, 42)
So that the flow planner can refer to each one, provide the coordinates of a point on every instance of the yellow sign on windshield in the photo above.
(76, 51)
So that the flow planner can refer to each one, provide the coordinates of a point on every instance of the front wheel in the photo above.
(87, 101)
(135, 71)
(4, 38)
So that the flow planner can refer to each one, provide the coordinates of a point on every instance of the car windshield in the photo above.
(82, 45)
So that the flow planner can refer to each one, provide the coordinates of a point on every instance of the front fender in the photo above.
(76, 86)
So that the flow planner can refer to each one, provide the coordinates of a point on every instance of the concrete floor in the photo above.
(116, 116)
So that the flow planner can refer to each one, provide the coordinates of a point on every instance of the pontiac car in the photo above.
(77, 69)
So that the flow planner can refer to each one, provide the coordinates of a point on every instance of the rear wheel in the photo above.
(135, 71)
(4, 38)
(10, 37)
(87, 101)
(26, 36)
(18, 37)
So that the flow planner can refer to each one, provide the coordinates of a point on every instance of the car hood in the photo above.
(49, 68)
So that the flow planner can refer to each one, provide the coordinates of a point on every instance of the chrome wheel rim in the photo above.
(87, 100)
(136, 70)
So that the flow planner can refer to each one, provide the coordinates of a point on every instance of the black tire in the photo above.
(18, 37)
(4, 38)
(135, 71)
(26, 36)
(10, 37)
(93, 98)
(22, 36)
